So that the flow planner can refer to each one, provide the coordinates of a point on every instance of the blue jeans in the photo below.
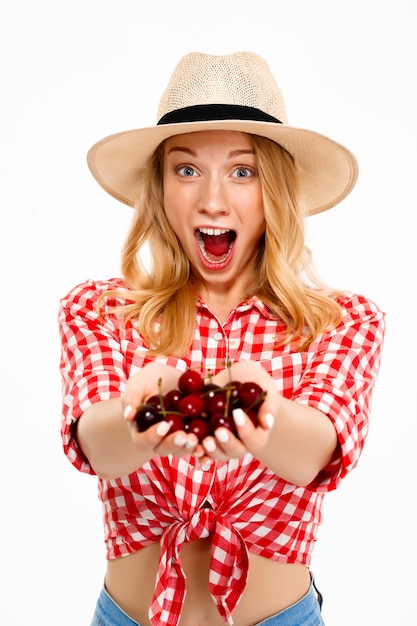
(305, 612)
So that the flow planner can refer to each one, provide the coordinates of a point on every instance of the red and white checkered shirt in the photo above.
(241, 504)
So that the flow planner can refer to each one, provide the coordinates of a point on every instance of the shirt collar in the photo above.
(249, 304)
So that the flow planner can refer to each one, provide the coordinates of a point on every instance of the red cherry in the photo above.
(250, 394)
(146, 416)
(216, 402)
(199, 427)
(176, 422)
(190, 382)
(172, 400)
(222, 421)
(191, 406)
(155, 401)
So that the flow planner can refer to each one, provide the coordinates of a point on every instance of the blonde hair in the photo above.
(163, 299)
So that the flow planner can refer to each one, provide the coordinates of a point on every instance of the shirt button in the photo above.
(218, 336)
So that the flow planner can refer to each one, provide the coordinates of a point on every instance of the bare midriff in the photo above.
(271, 586)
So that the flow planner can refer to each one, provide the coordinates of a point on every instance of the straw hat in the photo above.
(231, 92)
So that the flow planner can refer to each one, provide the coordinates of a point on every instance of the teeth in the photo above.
(213, 231)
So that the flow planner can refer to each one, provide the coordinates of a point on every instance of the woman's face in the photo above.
(213, 201)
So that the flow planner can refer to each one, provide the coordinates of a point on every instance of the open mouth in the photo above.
(215, 243)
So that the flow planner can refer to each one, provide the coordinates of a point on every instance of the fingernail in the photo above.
(205, 466)
(162, 428)
(239, 417)
(222, 435)
(189, 444)
(269, 420)
(127, 411)
(179, 440)
(210, 445)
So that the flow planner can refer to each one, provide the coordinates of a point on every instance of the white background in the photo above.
(73, 72)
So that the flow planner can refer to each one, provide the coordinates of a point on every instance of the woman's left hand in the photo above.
(224, 444)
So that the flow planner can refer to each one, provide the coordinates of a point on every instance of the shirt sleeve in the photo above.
(340, 379)
(92, 364)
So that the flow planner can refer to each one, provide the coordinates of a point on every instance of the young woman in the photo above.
(205, 530)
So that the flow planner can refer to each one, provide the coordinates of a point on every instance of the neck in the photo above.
(222, 302)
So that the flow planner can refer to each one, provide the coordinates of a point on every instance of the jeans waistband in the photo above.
(305, 612)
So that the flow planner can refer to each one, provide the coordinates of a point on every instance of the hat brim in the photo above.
(327, 170)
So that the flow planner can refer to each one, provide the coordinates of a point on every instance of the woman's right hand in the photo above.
(152, 379)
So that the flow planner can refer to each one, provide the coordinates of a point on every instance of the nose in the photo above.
(213, 199)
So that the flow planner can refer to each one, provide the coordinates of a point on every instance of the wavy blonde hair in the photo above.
(163, 299)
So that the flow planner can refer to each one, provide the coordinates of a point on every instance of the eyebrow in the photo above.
(233, 153)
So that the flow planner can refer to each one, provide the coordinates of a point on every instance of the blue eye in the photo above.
(187, 171)
(242, 172)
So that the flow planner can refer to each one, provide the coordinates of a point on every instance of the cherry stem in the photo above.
(161, 396)
(228, 396)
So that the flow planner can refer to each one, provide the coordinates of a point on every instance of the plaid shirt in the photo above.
(241, 504)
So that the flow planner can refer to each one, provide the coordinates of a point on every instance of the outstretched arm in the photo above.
(107, 434)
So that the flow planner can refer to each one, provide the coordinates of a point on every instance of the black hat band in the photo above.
(212, 112)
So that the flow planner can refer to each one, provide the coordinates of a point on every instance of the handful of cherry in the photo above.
(199, 407)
